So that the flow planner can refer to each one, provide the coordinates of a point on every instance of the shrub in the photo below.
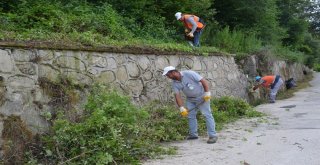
(113, 130)
(287, 54)
(316, 67)
(227, 109)
(107, 133)
(236, 41)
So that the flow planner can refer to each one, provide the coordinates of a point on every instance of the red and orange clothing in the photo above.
(192, 23)
(266, 81)
(196, 25)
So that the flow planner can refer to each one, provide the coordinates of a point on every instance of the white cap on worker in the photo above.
(178, 15)
(167, 69)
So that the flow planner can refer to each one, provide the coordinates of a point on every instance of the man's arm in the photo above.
(183, 110)
(205, 84)
(257, 86)
(178, 99)
(194, 24)
(207, 93)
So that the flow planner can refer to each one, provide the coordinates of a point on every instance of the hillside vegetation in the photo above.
(290, 29)
(111, 129)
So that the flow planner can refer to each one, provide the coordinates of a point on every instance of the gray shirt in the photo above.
(194, 24)
(190, 85)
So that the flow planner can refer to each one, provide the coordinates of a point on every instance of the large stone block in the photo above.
(106, 77)
(46, 55)
(144, 62)
(48, 71)
(135, 87)
(27, 68)
(23, 55)
(122, 74)
(99, 62)
(14, 104)
(161, 63)
(20, 82)
(133, 70)
(34, 121)
(6, 63)
(78, 77)
(112, 63)
(70, 63)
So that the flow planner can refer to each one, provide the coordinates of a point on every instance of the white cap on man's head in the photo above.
(178, 15)
(168, 69)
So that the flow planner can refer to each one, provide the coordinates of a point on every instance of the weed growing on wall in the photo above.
(16, 140)
(64, 95)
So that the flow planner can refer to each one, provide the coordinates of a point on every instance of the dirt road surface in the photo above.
(288, 135)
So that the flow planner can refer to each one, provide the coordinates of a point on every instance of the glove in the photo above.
(190, 34)
(183, 112)
(254, 88)
(207, 96)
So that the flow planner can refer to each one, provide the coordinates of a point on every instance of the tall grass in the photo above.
(236, 41)
(286, 54)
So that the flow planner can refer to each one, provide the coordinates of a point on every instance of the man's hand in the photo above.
(183, 112)
(207, 96)
(190, 34)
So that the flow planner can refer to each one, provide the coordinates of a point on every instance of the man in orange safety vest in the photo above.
(274, 82)
(193, 27)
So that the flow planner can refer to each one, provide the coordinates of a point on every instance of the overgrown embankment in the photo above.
(113, 130)
(37, 84)
(288, 28)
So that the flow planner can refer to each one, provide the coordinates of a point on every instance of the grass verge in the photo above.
(300, 85)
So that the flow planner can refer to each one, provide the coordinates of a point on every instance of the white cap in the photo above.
(178, 15)
(167, 69)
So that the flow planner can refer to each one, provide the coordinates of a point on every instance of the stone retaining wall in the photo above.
(139, 76)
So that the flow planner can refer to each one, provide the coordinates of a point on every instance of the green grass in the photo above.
(97, 42)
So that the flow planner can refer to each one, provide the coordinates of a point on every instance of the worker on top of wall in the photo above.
(193, 27)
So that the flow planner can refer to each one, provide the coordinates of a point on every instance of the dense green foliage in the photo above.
(233, 26)
(236, 41)
(317, 67)
(227, 109)
(115, 131)
(253, 15)
(313, 13)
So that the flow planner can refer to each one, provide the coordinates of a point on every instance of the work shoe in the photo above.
(192, 137)
(212, 140)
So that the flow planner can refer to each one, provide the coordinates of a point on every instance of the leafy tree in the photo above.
(313, 55)
(259, 15)
(293, 18)
(313, 13)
